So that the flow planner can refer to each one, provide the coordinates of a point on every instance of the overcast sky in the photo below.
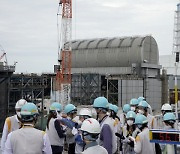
(28, 28)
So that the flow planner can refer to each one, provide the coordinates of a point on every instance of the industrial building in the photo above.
(127, 66)
(118, 68)
(5, 73)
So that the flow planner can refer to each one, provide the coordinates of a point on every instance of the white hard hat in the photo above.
(85, 112)
(166, 107)
(91, 126)
(20, 103)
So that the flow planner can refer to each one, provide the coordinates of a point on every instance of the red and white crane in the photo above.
(63, 76)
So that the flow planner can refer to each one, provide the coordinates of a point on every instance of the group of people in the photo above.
(82, 132)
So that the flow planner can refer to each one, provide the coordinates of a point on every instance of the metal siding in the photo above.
(121, 52)
(103, 44)
(130, 89)
(154, 93)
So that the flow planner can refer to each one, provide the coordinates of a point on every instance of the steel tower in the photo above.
(63, 76)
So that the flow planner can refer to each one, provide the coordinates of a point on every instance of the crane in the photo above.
(63, 75)
(3, 55)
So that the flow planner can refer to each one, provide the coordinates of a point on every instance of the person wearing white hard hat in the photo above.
(28, 139)
(166, 108)
(90, 131)
(84, 114)
(12, 123)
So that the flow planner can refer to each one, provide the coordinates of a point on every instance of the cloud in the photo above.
(28, 29)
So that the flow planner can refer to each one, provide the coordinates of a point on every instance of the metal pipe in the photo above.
(176, 93)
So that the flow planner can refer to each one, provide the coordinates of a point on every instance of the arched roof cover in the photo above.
(114, 52)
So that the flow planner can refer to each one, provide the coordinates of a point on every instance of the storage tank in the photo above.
(114, 52)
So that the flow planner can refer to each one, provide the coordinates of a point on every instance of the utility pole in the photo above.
(176, 51)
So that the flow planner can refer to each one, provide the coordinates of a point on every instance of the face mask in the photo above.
(141, 111)
(130, 122)
(18, 114)
(133, 108)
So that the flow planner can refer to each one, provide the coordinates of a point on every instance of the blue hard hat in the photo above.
(111, 106)
(169, 117)
(140, 119)
(131, 114)
(126, 108)
(114, 108)
(141, 98)
(55, 107)
(28, 112)
(143, 104)
(101, 102)
(134, 101)
(69, 108)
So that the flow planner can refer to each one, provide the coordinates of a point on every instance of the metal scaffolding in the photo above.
(32, 87)
(85, 88)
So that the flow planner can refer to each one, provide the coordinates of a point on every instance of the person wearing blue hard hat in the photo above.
(71, 111)
(169, 120)
(141, 98)
(126, 109)
(128, 130)
(28, 139)
(113, 109)
(134, 104)
(142, 143)
(143, 109)
(55, 130)
(107, 137)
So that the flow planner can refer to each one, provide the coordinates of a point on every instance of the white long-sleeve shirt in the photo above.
(22, 141)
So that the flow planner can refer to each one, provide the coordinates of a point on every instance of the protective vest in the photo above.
(146, 146)
(126, 147)
(27, 140)
(12, 123)
(152, 124)
(110, 122)
(168, 149)
(95, 149)
(53, 135)
(70, 138)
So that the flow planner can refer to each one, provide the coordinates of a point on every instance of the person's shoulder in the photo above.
(101, 147)
(10, 117)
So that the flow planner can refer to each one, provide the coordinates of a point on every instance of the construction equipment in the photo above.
(63, 75)
(3, 55)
